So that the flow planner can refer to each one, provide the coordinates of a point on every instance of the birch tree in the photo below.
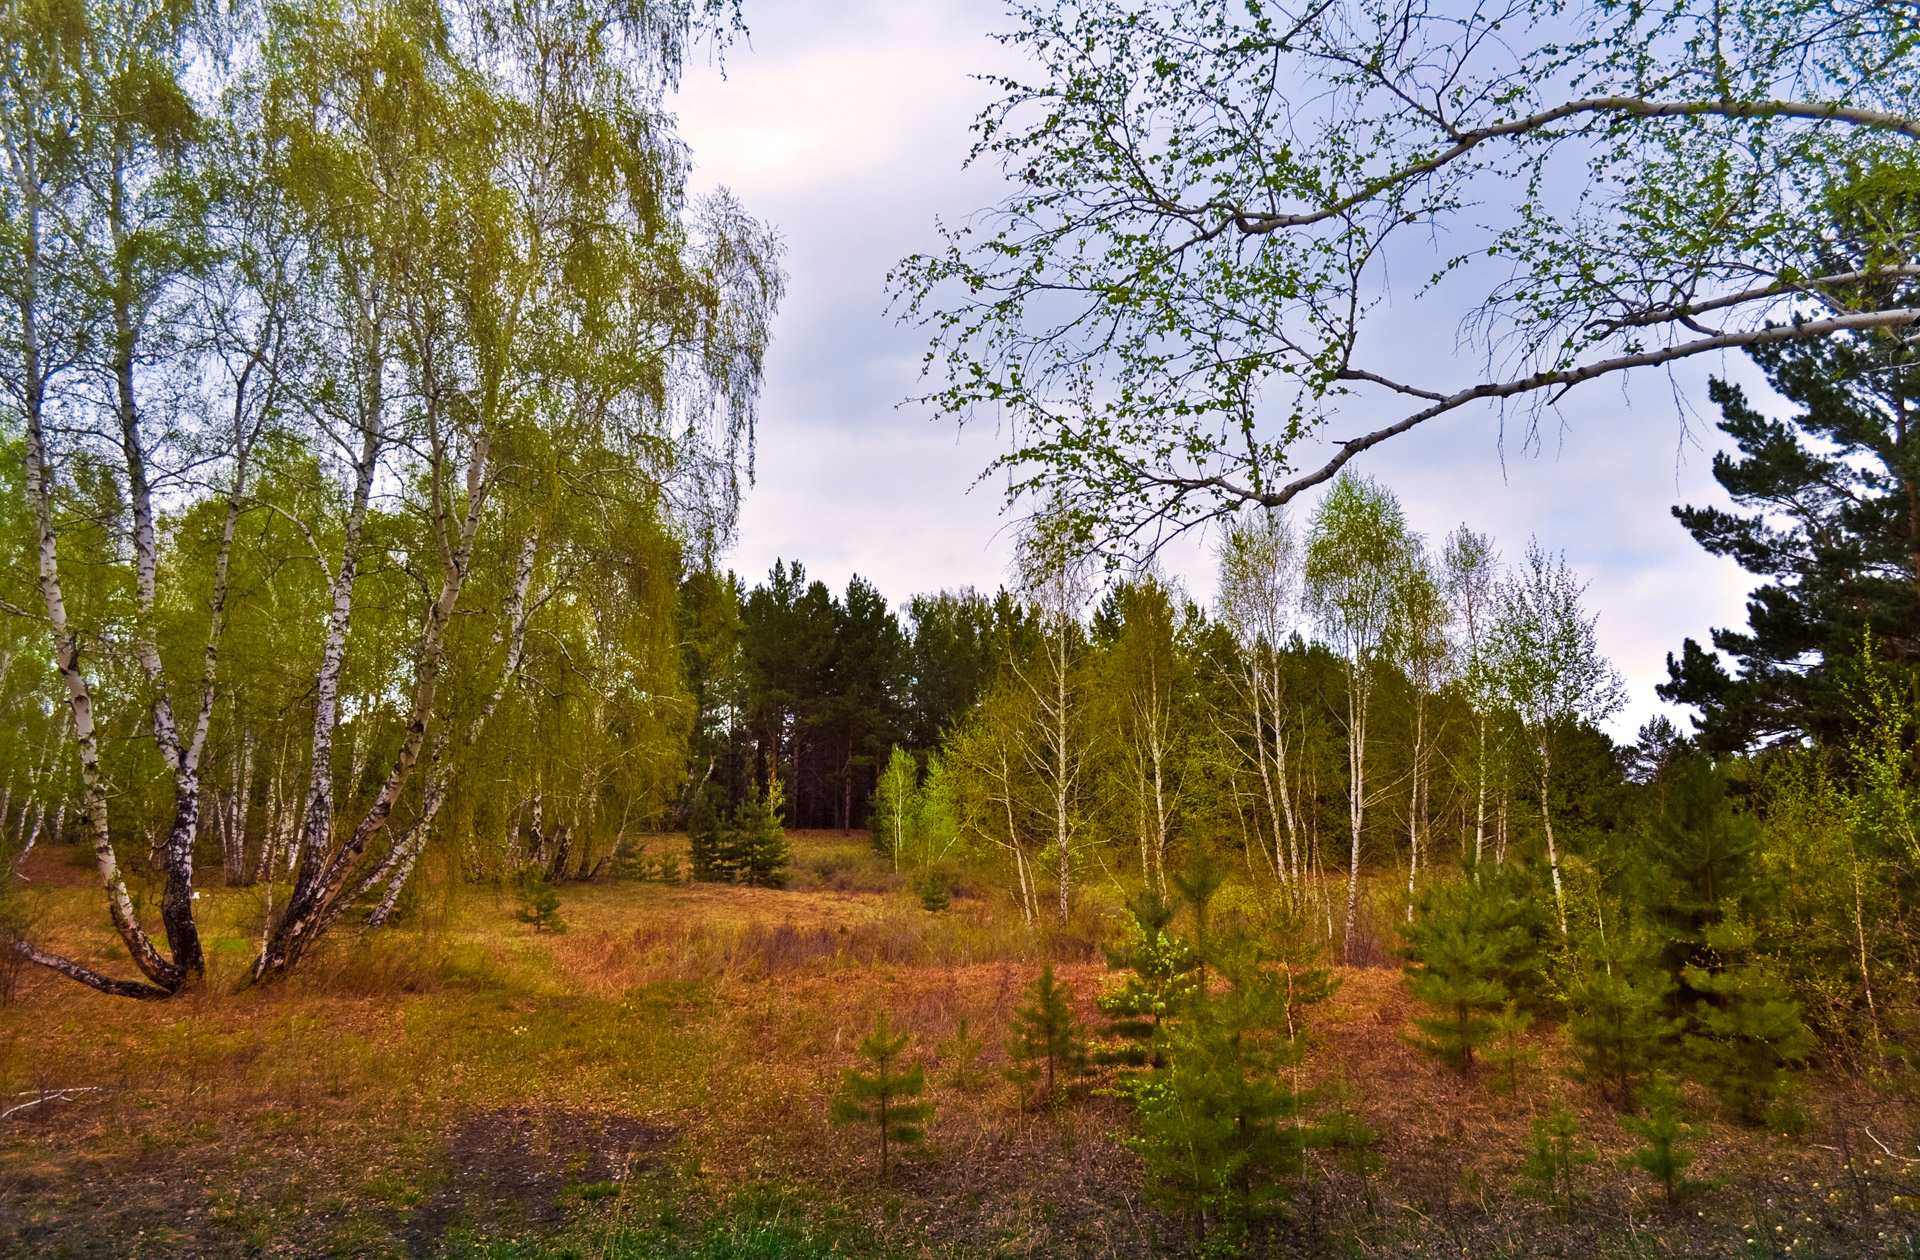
(1057, 582)
(1472, 569)
(1143, 685)
(1184, 289)
(1419, 645)
(1357, 550)
(1552, 672)
(1260, 566)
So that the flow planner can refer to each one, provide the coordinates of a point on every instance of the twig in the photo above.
(55, 1095)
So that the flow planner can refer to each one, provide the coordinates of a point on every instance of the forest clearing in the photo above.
(655, 1082)
(441, 815)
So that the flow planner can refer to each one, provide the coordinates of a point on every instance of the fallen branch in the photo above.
(50, 1095)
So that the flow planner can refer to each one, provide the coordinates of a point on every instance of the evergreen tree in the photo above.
(1504, 1050)
(1221, 1131)
(539, 901)
(888, 1098)
(756, 843)
(1699, 856)
(1047, 1048)
(930, 886)
(1460, 944)
(951, 657)
(1617, 1020)
(1663, 1154)
(1749, 1031)
(707, 845)
(1823, 515)
(1158, 978)
(961, 1054)
(1555, 1155)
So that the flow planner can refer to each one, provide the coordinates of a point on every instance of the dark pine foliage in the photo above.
(1829, 517)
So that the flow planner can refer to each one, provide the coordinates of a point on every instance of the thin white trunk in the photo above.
(1546, 823)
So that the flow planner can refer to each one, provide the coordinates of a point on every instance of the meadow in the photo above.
(655, 1081)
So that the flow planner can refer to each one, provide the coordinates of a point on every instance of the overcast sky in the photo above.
(845, 124)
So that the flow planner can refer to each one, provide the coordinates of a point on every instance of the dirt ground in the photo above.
(464, 1081)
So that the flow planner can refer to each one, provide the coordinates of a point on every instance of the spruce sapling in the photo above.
(1046, 1047)
(888, 1098)
(1662, 1154)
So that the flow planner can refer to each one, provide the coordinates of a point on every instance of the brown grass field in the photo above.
(655, 1082)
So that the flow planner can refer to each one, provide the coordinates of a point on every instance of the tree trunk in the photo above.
(1546, 823)
(1356, 795)
(66, 645)
(316, 902)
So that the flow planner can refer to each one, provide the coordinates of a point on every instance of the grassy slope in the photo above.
(655, 1081)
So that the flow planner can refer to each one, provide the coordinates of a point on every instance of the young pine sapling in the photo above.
(887, 1098)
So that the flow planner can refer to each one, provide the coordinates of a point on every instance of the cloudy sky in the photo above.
(845, 123)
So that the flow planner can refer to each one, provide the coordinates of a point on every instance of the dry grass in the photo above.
(465, 1076)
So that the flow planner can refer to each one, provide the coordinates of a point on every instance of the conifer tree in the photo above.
(1617, 1021)
(1047, 1048)
(887, 1098)
(759, 844)
(1505, 1052)
(1221, 1132)
(539, 901)
(961, 1054)
(1459, 946)
(1663, 1154)
(706, 838)
(1158, 976)
(1555, 1155)
(1749, 1030)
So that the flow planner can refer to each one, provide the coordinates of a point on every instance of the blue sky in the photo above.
(846, 125)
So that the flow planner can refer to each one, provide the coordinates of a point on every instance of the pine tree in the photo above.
(1159, 978)
(1220, 1122)
(1555, 1155)
(1662, 1154)
(961, 1054)
(758, 843)
(1504, 1050)
(1749, 1031)
(930, 885)
(888, 1098)
(1047, 1048)
(1459, 947)
(539, 901)
(1617, 1022)
(706, 838)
